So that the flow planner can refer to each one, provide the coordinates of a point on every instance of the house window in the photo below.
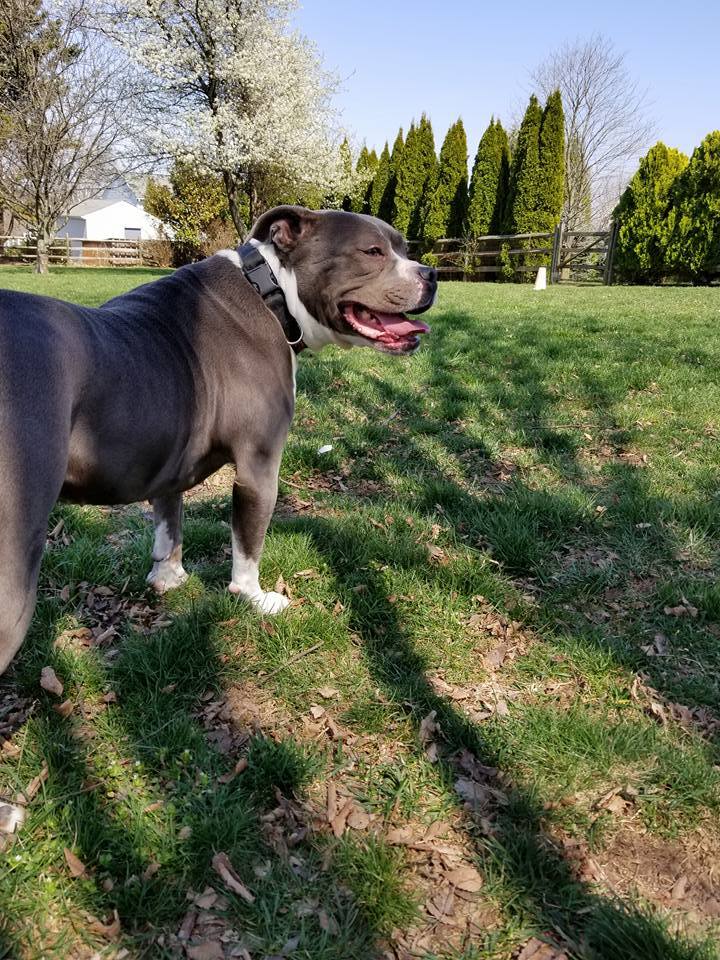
(132, 233)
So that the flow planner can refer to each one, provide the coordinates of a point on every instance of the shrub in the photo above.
(693, 227)
(642, 216)
(489, 183)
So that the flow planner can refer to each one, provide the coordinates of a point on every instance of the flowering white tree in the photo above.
(232, 89)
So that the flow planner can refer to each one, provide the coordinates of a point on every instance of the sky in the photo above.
(398, 58)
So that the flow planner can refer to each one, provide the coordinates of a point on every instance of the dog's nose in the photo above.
(429, 274)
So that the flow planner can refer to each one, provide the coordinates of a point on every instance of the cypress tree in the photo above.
(387, 203)
(426, 173)
(552, 162)
(405, 186)
(642, 216)
(489, 183)
(525, 186)
(347, 174)
(693, 248)
(380, 182)
(364, 169)
(447, 206)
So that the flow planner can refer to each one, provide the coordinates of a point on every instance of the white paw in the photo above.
(269, 602)
(166, 576)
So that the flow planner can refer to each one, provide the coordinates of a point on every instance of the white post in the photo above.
(541, 279)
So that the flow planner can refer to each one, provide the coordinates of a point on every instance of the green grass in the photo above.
(538, 484)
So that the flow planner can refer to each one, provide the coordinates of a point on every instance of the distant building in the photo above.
(108, 218)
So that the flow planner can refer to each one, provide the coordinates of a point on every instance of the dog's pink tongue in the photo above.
(401, 326)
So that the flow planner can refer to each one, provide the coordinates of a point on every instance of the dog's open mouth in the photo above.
(392, 332)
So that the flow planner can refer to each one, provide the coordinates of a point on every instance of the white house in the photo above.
(108, 218)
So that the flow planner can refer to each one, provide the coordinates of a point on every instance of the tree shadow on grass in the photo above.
(137, 792)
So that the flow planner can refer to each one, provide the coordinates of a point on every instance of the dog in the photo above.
(146, 396)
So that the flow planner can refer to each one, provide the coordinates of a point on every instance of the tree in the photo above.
(642, 216)
(693, 248)
(447, 207)
(64, 106)
(195, 209)
(235, 91)
(364, 171)
(524, 212)
(387, 204)
(489, 183)
(380, 182)
(415, 177)
(552, 162)
(605, 120)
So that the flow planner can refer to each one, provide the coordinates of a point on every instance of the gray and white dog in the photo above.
(147, 395)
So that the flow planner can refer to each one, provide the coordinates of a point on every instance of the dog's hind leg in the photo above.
(28, 491)
(253, 502)
(167, 572)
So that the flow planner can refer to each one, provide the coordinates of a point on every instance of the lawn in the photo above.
(488, 725)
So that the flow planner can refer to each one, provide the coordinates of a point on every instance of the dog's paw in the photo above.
(166, 576)
(269, 602)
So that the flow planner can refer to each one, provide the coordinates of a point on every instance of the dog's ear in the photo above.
(284, 226)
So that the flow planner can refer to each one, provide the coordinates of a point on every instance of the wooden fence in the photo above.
(569, 255)
(90, 253)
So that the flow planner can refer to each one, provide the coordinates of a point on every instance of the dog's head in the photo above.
(353, 276)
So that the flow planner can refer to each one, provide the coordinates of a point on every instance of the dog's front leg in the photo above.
(252, 507)
(167, 572)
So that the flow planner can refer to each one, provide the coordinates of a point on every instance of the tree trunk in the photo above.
(42, 256)
(234, 195)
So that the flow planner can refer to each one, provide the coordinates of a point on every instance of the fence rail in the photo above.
(90, 253)
(568, 254)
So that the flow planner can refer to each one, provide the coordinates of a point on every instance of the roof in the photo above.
(92, 206)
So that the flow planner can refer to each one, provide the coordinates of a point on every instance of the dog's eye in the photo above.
(375, 252)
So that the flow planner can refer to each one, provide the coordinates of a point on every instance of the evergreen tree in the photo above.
(447, 204)
(693, 249)
(346, 165)
(380, 182)
(489, 183)
(426, 177)
(406, 189)
(524, 200)
(364, 169)
(642, 216)
(387, 204)
(552, 163)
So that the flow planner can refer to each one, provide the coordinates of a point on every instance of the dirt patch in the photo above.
(681, 875)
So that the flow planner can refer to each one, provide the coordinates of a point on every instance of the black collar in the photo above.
(258, 272)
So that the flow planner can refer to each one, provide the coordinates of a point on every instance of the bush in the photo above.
(693, 227)
(642, 217)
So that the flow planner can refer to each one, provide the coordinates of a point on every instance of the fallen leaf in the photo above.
(317, 711)
(209, 950)
(184, 833)
(222, 866)
(537, 950)
(75, 865)
(110, 931)
(150, 870)
(400, 835)
(11, 817)
(49, 681)
(32, 788)
(328, 923)
(327, 693)
(437, 555)
(465, 878)
(682, 610)
(65, 708)
(679, 888)
(207, 899)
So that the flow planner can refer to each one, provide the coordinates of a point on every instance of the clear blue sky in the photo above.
(473, 59)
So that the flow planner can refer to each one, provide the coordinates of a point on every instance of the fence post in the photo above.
(553, 261)
(610, 255)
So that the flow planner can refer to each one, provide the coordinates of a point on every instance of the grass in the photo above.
(518, 530)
